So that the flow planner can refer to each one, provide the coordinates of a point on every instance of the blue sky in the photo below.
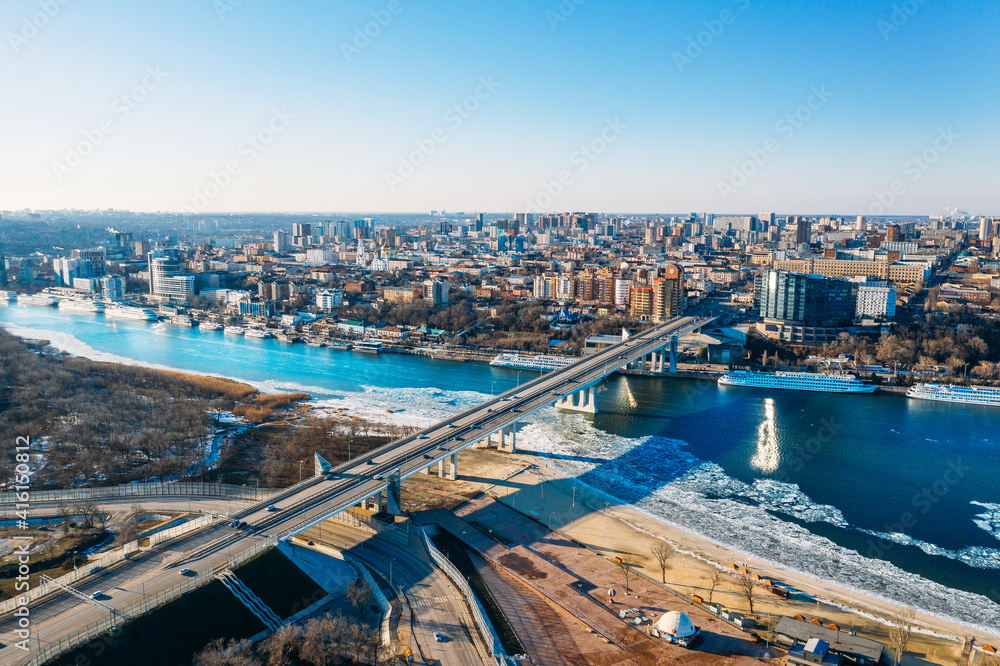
(683, 106)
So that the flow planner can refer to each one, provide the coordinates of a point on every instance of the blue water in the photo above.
(891, 496)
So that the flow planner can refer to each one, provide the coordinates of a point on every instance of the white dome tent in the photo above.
(677, 628)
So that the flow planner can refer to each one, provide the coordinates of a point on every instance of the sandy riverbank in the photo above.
(603, 523)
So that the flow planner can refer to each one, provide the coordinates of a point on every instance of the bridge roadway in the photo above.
(308, 503)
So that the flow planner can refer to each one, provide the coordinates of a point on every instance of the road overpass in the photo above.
(312, 501)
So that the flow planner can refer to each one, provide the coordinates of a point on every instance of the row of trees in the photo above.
(973, 349)
(324, 641)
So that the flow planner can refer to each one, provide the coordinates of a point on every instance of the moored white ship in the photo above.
(37, 299)
(258, 333)
(797, 381)
(368, 347)
(233, 330)
(966, 395)
(209, 326)
(119, 311)
(527, 362)
(76, 305)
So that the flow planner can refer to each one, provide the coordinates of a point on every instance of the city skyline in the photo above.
(386, 106)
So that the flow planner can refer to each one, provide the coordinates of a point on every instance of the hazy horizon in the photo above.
(881, 108)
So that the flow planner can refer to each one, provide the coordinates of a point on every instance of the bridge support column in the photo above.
(453, 473)
(429, 469)
(441, 468)
(583, 400)
(673, 354)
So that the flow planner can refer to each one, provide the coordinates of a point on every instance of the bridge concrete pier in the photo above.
(373, 503)
(673, 354)
(453, 472)
(441, 468)
(508, 438)
(583, 400)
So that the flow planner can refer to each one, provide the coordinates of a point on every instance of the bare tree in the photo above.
(662, 552)
(715, 579)
(283, 646)
(361, 594)
(626, 568)
(65, 513)
(357, 638)
(747, 589)
(130, 527)
(221, 652)
(900, 629)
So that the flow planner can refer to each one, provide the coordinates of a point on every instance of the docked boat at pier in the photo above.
(797, 381)
(986, 396)
(78, 305)
(43, 300)
(119, 311)
(528, 362)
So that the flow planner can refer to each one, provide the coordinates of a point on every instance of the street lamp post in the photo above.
(300, 470)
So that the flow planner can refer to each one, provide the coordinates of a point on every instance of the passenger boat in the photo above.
(797, 381)
(966, 395)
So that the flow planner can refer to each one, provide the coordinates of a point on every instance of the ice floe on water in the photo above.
(661, 477)
(418, 407)
(989, 520)
(974, 556)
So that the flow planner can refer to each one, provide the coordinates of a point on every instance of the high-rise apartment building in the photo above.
(669, 295)
(805, 300)
(641, 302)
(803, 231)
(282, 241)
(436, 291)
(163, 265)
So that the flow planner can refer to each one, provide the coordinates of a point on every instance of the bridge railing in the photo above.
(486, 630)
(102, 561)
(66, 643)
(153, 489)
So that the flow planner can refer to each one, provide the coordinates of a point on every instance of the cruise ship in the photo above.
(8, 295)
(81, 305)
(966, 395)
(233, 330)
(182, 320)
(797, 381)
(258, 333)
(119, 311)
(368, 347)
(526, 362)
(209, 326)
(37, 299)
